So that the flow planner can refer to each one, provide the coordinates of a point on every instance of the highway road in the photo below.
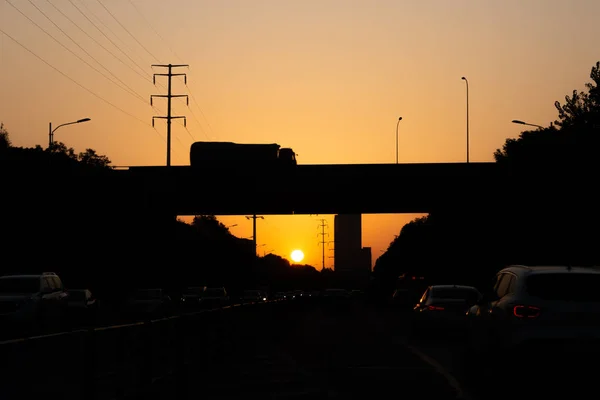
(317, 352)
(285, 350)
(299, 351)
(550, 371)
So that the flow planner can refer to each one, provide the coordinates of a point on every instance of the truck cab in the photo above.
(287, 156)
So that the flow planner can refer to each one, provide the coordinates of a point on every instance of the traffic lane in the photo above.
(549, 369)
(309, 350)
(356, 355)
(540, 370)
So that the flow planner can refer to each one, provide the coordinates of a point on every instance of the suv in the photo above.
(540, 304)
(32, 303)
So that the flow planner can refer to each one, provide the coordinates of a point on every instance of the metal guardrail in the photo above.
(138, 360)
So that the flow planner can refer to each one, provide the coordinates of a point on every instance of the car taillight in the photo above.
(435, 308)
(526, 311)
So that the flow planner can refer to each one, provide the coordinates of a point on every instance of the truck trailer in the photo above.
(247, 155)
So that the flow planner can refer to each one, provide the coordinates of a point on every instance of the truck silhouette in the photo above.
(247, 155)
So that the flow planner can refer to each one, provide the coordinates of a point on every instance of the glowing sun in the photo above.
(297, 255)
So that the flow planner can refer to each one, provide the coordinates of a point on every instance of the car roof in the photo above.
(541, 269)
(22, 276)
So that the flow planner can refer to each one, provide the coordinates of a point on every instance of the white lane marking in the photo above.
(452, 381)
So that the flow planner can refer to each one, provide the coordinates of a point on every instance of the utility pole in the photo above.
(169, 96)
(253, 218)
(323, 225)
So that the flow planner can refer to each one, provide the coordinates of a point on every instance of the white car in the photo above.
(538, 305)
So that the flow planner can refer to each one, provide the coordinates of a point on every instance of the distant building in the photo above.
(351, 259)
(348, 241)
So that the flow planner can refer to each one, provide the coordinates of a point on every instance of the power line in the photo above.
(169, 96)
(146, 78)
(200, 109)
(105, 35)
(73, 80)
(194, 115)
(127, 30)
(131, 91)
(69, 50)
(154, 30)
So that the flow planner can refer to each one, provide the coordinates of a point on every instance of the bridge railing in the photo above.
(148, 359)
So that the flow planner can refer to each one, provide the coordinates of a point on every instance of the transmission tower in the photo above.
(169, 96)
(322, 233)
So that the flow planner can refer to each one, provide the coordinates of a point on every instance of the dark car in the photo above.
(443, 309)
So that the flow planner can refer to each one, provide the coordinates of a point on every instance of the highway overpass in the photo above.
(311, 189)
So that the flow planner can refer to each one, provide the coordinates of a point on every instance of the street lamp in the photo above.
(467, 82)
(397, 123)
(516, 121)
(51, 131)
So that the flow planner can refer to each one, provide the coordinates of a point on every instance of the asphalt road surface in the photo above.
(286, 350)
(556, 371)
(314, 351)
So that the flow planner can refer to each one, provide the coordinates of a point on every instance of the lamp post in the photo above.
(397, 123)
(467, 82)
(51, 131)
(516, 121)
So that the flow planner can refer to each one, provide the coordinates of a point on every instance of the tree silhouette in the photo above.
(576, 140)
(91, 158)
(209, 225)
(582, 110)
(4, 139)
(61, 148)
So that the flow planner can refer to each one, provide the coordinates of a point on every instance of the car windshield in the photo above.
(564, 286)
(468, 295)
(20, 285)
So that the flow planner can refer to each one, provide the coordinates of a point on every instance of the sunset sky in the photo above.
(328, 78)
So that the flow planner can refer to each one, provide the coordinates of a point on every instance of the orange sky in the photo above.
(328, 78)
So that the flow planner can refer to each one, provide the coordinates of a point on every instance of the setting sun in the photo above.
(297, 255)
